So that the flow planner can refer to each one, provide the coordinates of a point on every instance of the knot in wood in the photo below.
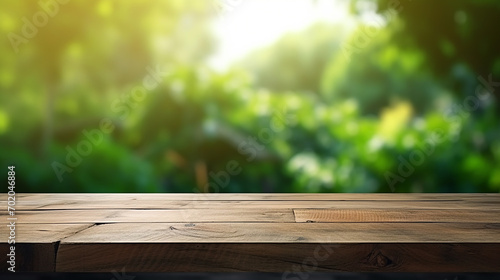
(382, 260)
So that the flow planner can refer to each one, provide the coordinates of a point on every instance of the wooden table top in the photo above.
(292, 233)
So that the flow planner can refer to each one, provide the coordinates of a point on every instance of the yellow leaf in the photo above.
(394, 119)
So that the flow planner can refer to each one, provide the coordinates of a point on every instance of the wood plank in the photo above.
(207, 201)
(257, 196)
(36, 245)
(45, 199)
(289, 233)
(396, 215)
(155, 216)
(253, 204)
(42, 233)
(294, 259)
(255, 215)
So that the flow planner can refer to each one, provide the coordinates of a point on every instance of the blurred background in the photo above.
(250, 95)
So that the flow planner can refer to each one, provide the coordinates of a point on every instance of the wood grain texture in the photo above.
(43, 233)
(393, 215)
(256, 232)
(154, 216)
(109, 203)
(294, 259)
(207, 201)
(288, 232)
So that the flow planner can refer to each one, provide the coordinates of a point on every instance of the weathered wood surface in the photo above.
(256, 232)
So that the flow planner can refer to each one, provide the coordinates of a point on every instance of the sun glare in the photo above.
(248, 25)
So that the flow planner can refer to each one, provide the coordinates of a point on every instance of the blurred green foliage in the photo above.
(314, 112)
